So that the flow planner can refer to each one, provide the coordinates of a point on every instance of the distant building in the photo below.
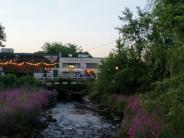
(83, 56)
(72, 67)
(6, 50)
(79, 63)
(26, 63)
(46, 65)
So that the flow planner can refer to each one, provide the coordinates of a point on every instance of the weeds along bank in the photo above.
(158, 113)
(21, 106)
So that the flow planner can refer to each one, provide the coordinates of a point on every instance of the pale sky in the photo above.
(88, 23)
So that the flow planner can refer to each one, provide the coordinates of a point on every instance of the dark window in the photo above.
(91, 65)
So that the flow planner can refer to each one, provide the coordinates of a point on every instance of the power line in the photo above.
(100, 46)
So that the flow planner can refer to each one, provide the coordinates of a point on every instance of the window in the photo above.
(91, 65)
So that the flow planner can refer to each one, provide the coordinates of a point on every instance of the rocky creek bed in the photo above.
(71, 120)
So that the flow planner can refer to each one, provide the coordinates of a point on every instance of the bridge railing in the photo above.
(66, 77)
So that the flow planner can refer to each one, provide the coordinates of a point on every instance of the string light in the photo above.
(28, 63)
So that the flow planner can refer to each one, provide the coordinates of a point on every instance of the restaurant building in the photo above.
(79, 67)
(49, 66)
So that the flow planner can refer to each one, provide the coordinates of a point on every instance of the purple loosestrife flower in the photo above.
(131, 110)
(137, 122)
(134, 104)
(144, 125)
(24, 100)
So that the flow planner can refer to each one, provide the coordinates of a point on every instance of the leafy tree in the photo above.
(135, 31)
(39, 52)
(126, 71)
(169, 25)
(65, 49)
(167, 52)
(149, 58)
(170, 16)
(167, 96)
(2, 35)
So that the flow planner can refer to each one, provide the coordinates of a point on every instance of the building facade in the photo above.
(76, 67)
(49, 66)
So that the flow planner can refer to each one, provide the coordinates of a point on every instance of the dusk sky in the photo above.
(88, 23)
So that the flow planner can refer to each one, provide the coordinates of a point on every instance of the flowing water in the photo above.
(75, 122)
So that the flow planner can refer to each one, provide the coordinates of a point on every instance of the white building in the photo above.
(79, 67)
(79, 63)
(73, 67)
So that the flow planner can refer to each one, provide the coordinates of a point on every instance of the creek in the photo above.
(74, 121)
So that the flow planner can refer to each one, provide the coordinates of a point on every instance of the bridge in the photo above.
(68, 87)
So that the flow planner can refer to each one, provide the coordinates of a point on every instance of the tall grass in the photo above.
(20, 108)
(137, 123)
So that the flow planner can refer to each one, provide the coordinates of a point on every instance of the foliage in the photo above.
(19, 110)
(116, 104)
(125, 71)
(9, 81)
(168, 96)
(136, 31)
(167, 37)
(148, 61)
(65, 49)
(2, 35)
(170, 17)
(137, 122)
(27, 81)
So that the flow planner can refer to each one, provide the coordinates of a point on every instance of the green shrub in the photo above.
(27, 81)
(10, 81)
(168, 97)
(116, 104)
